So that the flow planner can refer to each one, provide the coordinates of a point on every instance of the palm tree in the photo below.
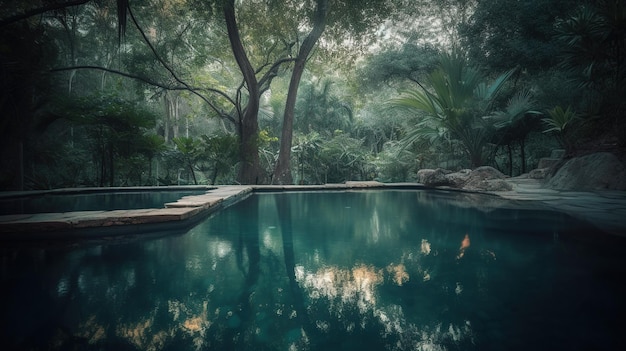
(514, 123)
(594, 43)
(306, 149)
(457, 100)
(561, 123)
(189, 153)
(594, 51)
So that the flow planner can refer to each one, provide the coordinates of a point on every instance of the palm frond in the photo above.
(517, 107)
(416, 100)
(440, 83)
(423, 133)
(490, 93)
(454, 82)
(559, 119)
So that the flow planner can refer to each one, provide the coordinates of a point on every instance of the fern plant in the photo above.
(560, 122)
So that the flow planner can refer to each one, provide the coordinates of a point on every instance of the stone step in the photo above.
(557, 153)
(547, 162)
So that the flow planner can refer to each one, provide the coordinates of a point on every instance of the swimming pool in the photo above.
(361, 270)
(100, 199)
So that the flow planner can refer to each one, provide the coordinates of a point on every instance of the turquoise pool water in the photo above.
(363, 270)
(93, 201)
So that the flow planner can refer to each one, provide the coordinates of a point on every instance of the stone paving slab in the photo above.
(85, 219)
(204, 201)
(30, 193)
(605, 209)
(185, 208)
(331, 186)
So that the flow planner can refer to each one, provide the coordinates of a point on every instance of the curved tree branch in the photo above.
(154, 52)
(40, 10)
(160, 85)
(171, 70)
(266, 80)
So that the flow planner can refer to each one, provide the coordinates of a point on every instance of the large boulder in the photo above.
(547, 162)
(487, 179)
(482, 178)
(547, 165)
(539, 173)
(598, 171)
(433, 177)
(458, 179)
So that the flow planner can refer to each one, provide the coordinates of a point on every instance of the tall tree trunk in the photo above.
(102, 149)
(166, 120)
(193, 174)
(510, 153)
(522, 145)
(215, 173)
(249, 170)
(176, 115)
(111, 164)
(282, 172)
(171, 115)
(21, 169)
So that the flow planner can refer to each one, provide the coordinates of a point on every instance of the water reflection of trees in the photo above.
(304, 271)
(345, 296)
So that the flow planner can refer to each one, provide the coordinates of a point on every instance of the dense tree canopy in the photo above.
(189, 91)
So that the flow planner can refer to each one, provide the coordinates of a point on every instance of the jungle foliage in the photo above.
(159, 92)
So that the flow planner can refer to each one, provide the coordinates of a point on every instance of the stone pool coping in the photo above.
(180, 214)
(89, 190)
(606, 209)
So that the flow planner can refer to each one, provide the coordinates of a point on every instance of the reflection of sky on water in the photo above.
(343, 289)
(308, 272)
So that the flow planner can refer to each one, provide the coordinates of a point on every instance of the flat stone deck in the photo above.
(605, 209)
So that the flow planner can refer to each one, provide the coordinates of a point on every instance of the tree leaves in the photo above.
(459, 99)
(560, 120)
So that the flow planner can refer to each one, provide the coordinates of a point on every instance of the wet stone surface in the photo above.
(604, 209)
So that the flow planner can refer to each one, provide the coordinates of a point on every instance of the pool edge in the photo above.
(189, 210)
